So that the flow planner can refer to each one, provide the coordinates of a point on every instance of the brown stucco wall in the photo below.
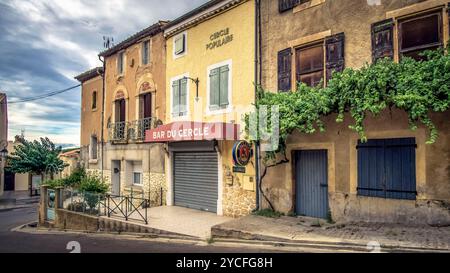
(135, 75)
(354, 18)
(91, 118)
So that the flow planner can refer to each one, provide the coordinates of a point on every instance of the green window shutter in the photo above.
(223, 94)
(183, 96)
(179, 44)
(176, 97)
(214, 82)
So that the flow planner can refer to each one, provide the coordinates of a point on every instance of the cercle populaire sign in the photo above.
(193, 131)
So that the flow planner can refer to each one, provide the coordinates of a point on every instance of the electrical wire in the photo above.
(45, 95)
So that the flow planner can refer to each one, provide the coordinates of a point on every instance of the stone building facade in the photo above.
(304, 41)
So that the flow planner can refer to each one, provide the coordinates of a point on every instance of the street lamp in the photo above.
(196, 81)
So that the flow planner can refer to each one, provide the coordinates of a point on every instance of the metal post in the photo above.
(109, 210)
(126, 208)
(146, 221)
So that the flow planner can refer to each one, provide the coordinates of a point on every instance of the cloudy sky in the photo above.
(45, 43)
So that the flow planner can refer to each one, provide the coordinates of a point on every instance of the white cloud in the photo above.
(65, 36)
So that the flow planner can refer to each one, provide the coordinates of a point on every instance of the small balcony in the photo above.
(131, 132)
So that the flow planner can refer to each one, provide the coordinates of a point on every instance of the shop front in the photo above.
(201, 170)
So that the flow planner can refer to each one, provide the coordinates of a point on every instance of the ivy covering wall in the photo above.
(416, 87)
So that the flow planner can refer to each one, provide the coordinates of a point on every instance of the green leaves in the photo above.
(37, 157)
(417, 87)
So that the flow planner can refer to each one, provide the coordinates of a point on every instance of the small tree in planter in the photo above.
(93, 188)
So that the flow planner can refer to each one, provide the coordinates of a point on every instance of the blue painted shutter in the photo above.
(371, 168)
(386, 168)
(400, 168)
(223, 93)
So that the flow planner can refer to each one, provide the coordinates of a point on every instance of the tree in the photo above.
(36, 157)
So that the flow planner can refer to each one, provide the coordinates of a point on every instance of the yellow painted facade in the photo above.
(240, 52)
(234, 30)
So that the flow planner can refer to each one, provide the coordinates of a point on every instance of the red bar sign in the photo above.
(191, 131)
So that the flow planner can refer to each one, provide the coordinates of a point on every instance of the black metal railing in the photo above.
(133, 131)
(118, 131)
(129, 208)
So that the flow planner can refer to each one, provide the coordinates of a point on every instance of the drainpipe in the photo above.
(257, 82)
(103, 113)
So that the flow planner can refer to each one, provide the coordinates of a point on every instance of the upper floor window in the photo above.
(285, 5)
(415, 35)
(119, 109)
(310, 65)
(94, 100)
(146, 52)
(145, 106)
(219, 87)
(120, 62)
(179, 45)
(179, 97)
(419, 34)
(313, 63)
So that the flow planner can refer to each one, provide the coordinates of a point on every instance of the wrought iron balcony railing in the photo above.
(133, 131)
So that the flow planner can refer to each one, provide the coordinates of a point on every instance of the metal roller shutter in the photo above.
(196, 180)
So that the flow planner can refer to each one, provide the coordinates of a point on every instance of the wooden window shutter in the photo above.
(176, 97)
(335, 54)
(285, 70)
(383, 40)
(147, 105)
(284, 5)
(223, 93)
(214, 88)
(141, 107)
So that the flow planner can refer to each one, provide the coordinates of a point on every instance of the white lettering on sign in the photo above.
(182, 133)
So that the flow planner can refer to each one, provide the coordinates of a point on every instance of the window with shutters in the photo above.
(145, 51)
(420, 33)
(387, 168)
(313, 63)
(285, 5)
(219, 86)
(120, 62)
(145, 106)
(180, 94)
(94, 100)
(180, 45)
(309, 63)
(119, 109)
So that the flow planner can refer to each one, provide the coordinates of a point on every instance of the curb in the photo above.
(231, 235)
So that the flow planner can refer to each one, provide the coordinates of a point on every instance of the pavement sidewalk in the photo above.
(17, 199)
(303, 230)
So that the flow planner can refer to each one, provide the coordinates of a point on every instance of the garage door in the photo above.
(196, 180)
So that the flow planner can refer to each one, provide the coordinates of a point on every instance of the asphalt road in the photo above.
(20, 242)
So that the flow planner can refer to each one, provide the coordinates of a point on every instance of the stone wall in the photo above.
(238, 202)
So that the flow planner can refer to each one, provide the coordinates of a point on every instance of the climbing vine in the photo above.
(417, 87)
